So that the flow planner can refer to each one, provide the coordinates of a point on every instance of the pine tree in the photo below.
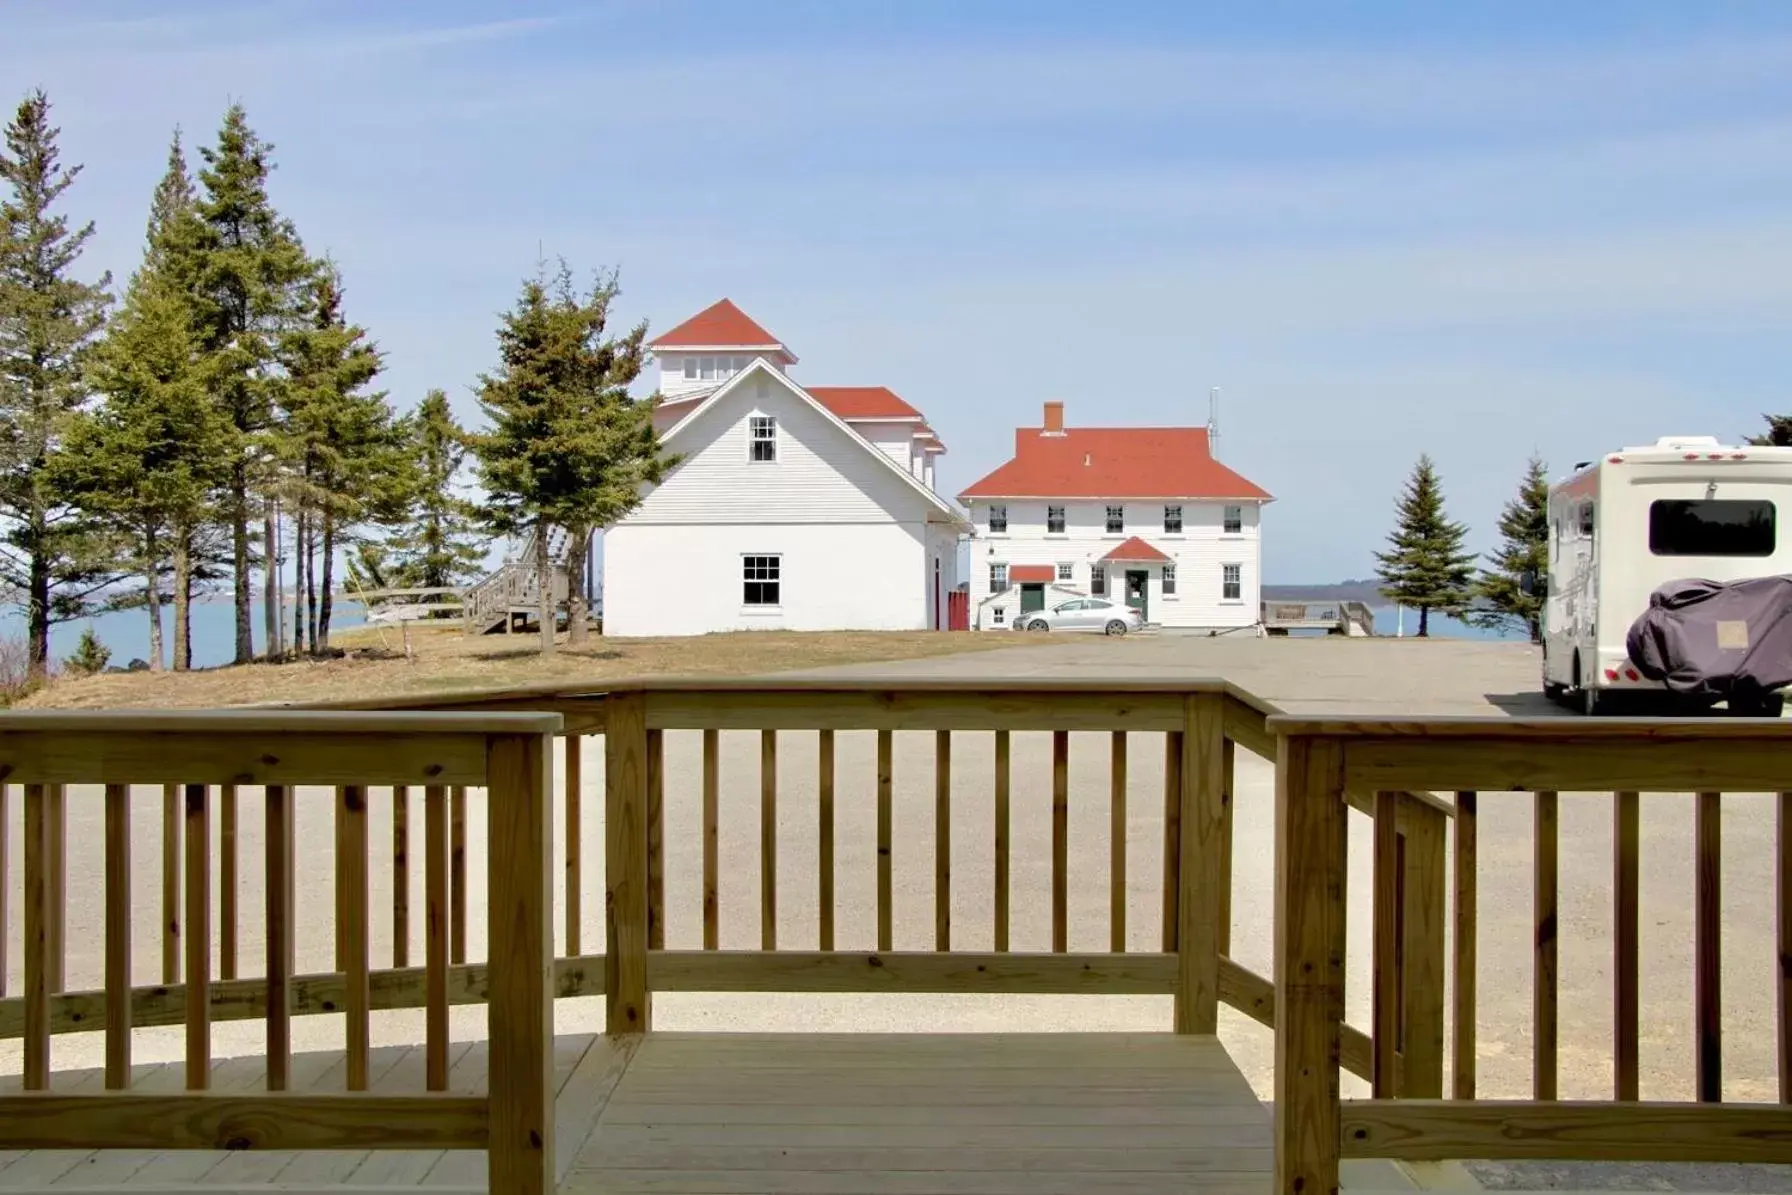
(1522, 557)
(342, 449)
(568, 448)
(249, 268)
(436, 547)
(144, 465)
(1427, 567)
(49, 322)
(90, 655)
(1778, 433)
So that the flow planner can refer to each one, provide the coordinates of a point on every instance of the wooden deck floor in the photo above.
(793, 1114)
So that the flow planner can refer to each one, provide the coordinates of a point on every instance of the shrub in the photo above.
(90, 655)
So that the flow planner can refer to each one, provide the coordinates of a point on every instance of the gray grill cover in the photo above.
(1717, 640)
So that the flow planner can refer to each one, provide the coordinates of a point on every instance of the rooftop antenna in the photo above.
(1213, 423)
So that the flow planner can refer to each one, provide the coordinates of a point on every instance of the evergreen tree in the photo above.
(144, 466)
(1778, 433)
(343, 451)
(249, 269)
(1427, 567)
(436, 547)
(49, 321)
(1523, 555)
(90, 655)
(568, 448)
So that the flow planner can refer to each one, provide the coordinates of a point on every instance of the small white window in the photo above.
(1231, 582)
(763, 430)
(1172, 520)
(998, 615)
(1116, 520)
(998, 520)
(1054, 520)
(1234, 520)
(1169, 579)
(998, 578)
(690, 369)
(761, 580)
(1098, 580)
(1066, 571)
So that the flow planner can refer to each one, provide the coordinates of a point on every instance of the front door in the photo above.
(1032, 597)
(1137, 580)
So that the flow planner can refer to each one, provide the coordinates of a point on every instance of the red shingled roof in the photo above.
(863, 402)
(1113, 462)
(1137, 550)
(720, 325)
(1031, 573)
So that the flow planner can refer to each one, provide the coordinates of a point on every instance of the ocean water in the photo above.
(1387, 622)
(126, 632)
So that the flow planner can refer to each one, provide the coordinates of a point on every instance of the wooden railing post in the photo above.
(1309, 911)
(626, 997)
(520, 837)
(1201, 864)
(1425, 830)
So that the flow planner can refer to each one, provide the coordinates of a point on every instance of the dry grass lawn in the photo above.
(445, 659)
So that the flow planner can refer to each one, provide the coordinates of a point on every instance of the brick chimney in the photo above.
(1054, 419)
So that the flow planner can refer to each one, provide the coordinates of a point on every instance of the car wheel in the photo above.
(1039, 624)
(1116, 627)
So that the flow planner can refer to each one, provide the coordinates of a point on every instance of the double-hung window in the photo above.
(998, 520)
(998, 578)
(1098, 580)
(1231, 582)
(1234, 520)
(1116, 520)
(763, 434)
(1169, 580)
(1066, 571)
(762, 580)
(1054, 520)
(1172, 520)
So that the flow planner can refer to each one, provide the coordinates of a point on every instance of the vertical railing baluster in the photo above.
(435, 937)
(1462, 1075)
(1385, 991)
(279, 932)
(457, 873)
(1626, 940)
(712, 839)
(5, 878)
(626, 996)
(825, 830)
(1422, 899)
(199, 934)
(171, 907)
(58, 807)
(768, 840)
(885, 888)
(520, 895)
(1543, 992)
(1117, 844)
(1222, 914)
(401, 875)
(36, 849)
(656, 840)
(1707, 944)
(1197, 1007)
(351, 875)
(942, 840)
(1001, 840)
(1782, 883)
(1172, 836)
(573, 843)
(227, 881)
(118, 937)
(1060, 841)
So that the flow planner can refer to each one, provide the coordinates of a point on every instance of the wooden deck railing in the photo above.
(1486, 760)
(206, 764)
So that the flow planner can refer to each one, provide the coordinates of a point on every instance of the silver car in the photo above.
(1097, 615)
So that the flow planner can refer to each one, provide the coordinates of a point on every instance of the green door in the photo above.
(1032, 597)
(1137, 582)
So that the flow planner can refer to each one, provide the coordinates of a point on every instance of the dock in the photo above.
(1355, 619)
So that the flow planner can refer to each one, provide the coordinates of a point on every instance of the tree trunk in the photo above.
(152, 600)
(239, 562)
(298, 582)
(544, 588)
(327, 550)
(578, 546)
(183, 599)
(1424, 622)
(270, 583)
(38, 616)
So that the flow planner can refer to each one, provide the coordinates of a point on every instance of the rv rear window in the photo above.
(1711, 527)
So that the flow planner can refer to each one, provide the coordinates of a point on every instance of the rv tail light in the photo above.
(1714, 456)
(1631, 674)
(1739, 456)
(1616, 460)
(1611, 674)
(1691, 456)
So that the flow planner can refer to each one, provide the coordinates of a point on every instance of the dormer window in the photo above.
(763, 436)
(712, 369)
(1116, 520)
(998, 520)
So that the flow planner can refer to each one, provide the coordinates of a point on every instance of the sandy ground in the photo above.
(1334, 675)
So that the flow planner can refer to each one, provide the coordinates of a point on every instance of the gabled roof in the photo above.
(721, 325)
(1137, 551)
(864, 402)
(1113, 462)
(761, 369)
(1031, 573)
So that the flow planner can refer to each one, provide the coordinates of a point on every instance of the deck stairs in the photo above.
(512, 587)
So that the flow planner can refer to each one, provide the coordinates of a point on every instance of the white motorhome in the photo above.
(1683, 507)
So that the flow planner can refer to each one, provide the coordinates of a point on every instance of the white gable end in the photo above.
(821, 472)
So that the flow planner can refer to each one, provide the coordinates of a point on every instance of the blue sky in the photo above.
(1473, 230)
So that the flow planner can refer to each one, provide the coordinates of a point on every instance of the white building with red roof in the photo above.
(792, 507)
(1143, 515)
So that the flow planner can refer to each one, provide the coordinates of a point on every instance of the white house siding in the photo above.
(941, 546)
(687, 580)
(894, 440)
(1200, 553)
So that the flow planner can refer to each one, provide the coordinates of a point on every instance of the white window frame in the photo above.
(1232, 575)
(1232, 520)
(1098, 580)
(998, 615)
(776, 579)
(998, 576)
(1116, 521)
(1060, 520)
(998, 512)
(1175, 519)
(1066, 572)
(1169, 580)
(755, 425)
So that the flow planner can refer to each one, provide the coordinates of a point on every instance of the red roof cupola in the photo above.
(722, 325)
